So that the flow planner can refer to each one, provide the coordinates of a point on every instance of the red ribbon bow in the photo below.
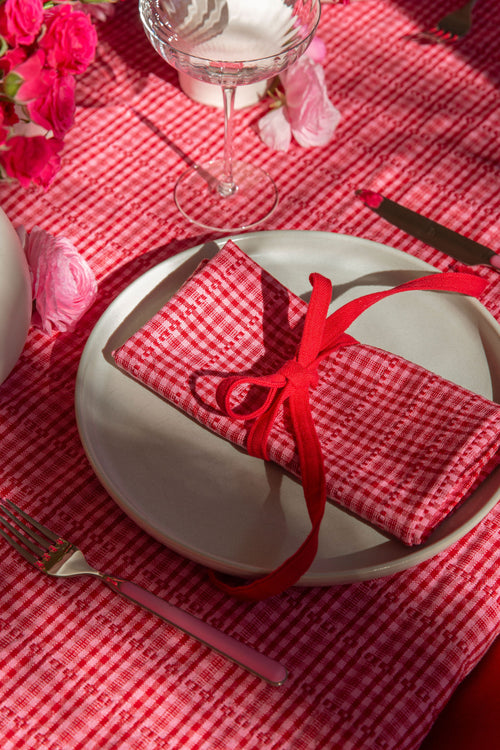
(291, 383)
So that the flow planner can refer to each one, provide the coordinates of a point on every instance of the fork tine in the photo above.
(28, 540)
(22, 551)
(448, 36)
(48, 533)
(31, 540)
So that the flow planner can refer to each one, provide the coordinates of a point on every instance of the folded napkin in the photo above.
(393, 443)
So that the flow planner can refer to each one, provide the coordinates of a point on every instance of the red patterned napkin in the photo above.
(392, 442)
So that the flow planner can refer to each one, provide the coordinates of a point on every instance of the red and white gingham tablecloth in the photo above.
(372, 664)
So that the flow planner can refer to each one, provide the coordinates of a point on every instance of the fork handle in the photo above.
(262, 666)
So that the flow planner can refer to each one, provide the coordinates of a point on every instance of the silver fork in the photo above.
(451, 27)
(57, 557)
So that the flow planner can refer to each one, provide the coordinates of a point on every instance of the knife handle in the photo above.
(253, 661)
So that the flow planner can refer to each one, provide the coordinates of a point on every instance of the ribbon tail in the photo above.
(257, 440)
(314, 486)
(340, 320)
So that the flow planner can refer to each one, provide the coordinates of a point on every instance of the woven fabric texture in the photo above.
(371, 664)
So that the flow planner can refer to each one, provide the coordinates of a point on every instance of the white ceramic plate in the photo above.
(207, 500)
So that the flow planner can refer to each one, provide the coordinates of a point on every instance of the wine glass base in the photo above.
(198, 199)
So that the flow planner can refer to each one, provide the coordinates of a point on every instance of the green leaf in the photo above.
(12, 84)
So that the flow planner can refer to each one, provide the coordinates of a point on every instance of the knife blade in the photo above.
(436, 235)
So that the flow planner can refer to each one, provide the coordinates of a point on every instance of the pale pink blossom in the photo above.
(317, 50)
(313, 118)
(275, 129)
(63, 283)
(307, 113)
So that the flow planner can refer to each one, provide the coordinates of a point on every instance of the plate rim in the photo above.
(368, 572)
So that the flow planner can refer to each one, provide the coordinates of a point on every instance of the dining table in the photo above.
(404, 658)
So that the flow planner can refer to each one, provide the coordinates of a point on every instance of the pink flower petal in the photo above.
(275, 130)
(317, 50)
(313, 118)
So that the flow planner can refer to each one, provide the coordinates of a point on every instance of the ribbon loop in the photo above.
(227, 388)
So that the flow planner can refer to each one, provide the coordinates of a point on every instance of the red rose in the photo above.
(30, 80)
(9, 114)
(70, 40)
(20, 21)
(4, 131)
(33, 159)
(56, 109)
(11, 59)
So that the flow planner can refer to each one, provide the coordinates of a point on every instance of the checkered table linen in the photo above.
(372, 663)
(401, 445)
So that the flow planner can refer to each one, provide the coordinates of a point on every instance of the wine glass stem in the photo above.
(227, 185)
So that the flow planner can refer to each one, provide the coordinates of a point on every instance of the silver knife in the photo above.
(446, 240)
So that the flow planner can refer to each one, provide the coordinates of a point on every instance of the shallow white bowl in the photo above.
(15, 297)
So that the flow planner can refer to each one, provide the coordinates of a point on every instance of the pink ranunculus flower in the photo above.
(309, 115)
(56, 110)
(20, 21)
(63, 284)
(34, 159)
(70, 40)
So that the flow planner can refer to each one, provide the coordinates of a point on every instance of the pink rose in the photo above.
(56, 109)
(20, 21)
(313, 118)
(70, 40)
(307, 113)
(63, 283)
(33, 159)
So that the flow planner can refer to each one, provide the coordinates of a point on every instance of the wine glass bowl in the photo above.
(229, 43)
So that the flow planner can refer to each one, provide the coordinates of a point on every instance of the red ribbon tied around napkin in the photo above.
(395, 444)
(292, 382)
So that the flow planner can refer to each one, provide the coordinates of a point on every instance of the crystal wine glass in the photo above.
(228, 43)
